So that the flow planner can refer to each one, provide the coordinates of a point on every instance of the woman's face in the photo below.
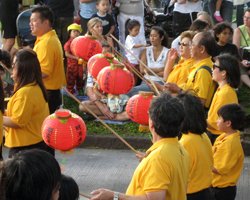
(97, 29)
(185, 45)
(155, 38)
(218, 74)
(14, 70)
(246, 19)
(225, 36)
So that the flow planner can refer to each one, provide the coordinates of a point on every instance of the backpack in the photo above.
(214, 86)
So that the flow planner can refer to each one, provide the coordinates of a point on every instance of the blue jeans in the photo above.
(226, 10)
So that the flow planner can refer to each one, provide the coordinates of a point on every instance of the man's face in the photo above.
(38, 26)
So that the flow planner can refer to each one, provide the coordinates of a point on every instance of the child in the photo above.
(75, 69)
(228, 153)
(69, 189)
(134, 44)
(217, 15)
(108, 22)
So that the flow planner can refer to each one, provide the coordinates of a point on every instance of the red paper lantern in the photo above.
(97, 62)
(63, 130)
(115, 80)
(85, 47)
(138, 106)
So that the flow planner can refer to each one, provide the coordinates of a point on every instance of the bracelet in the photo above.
(116, 196)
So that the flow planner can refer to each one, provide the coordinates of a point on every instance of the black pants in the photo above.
(84, 25)
(40, 145)
(201, 195)
(227, 193)
(182, 22)
(55, 100)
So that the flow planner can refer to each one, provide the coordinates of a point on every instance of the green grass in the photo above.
(95, 127)
(244, 98)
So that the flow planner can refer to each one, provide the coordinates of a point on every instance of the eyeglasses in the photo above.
(217, 66)
(183, 44)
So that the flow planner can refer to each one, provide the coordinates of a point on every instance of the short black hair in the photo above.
(5, 58)
(220, 27)
(231, 65)
(45, 12)
(132, 23)
(69, 189)
(233, 113)
(198, 26)
(167, 114)
(30, 175)
(208, 41)
(195, 119)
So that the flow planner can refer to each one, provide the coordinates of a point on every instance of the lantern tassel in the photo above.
(103, 123)
(144, 65)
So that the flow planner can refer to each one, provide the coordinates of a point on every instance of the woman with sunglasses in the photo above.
(28, 107)
(226, 73)
(178, 73)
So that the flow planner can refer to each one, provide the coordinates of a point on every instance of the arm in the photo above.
(144, 60)
(69, 55)
(111, 31)
(172, 56)
(9, 123)
(236, 37)
(105, 194)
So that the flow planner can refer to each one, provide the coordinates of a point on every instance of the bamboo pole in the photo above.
(103, 123)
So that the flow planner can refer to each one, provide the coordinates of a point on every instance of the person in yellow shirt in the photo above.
(226, 72)
(163, 173)
(50, 54)
(199, 80)
(228, 153)
(196, 142)
(178, 73)
(28, 106)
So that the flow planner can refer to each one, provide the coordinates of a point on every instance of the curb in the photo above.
(111, 142)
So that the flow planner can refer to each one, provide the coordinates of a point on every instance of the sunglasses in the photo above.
(217, 66)
(183, 44)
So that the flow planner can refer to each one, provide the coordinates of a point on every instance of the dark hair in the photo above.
(161, 33)
(69, 189)
(132, 23)
(230, 64)
(233, 113)
(198, 26)
(98, 1)
(28, 70)
(5, 58)
(208, 41)
(247, 10)
(220, 27)
(195, 119)
(45, 13)
(167, 114)
(30, 175)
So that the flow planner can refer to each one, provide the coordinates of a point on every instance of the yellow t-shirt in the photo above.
(200, 153)
(228, 160)
(180, 72)
(166, 167)
(224, 95)
(201, 83)
(50, 55)
(28, 109)
(1, 128)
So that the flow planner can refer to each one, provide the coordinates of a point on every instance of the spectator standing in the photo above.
(108, 22)
(87, 10)
(130, 9)
(64, 15)
(50, 54)
(8, 16)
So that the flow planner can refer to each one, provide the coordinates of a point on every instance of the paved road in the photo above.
(112, 169)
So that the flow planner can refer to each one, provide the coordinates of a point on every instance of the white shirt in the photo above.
(129, 44)
(158, 63)
(188, 7)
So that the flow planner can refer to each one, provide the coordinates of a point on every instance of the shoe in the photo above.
(218, 18)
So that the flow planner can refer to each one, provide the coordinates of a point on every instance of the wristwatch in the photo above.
(116, 196)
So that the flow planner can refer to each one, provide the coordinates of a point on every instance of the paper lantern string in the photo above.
(103, 123)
